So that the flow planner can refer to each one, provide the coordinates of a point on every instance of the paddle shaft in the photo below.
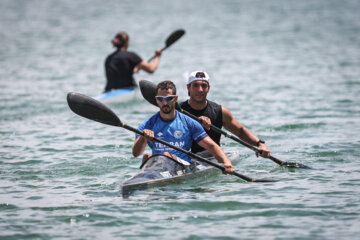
(171, 40)
(195, 156)
(150, 59)
(226, 134)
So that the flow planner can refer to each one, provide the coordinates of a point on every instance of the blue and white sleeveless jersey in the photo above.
(180, 132)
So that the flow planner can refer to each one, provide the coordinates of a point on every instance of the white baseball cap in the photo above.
(198, 76)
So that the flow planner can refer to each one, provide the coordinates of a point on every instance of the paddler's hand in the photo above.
(146, 156)
(205, 122)
(229, 168)
(158, 53)
(148, 134)
(265, 152)
(169, 155)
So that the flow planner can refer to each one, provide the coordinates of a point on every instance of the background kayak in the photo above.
(119, 95)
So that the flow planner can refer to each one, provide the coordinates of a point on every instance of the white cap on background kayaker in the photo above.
(198, 76)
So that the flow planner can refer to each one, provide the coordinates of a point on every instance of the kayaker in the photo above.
(121, 64)
(176, 128)
(209, 112)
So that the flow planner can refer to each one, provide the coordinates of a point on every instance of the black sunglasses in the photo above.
(166, 98)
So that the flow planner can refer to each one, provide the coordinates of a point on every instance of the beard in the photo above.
(199, 98)
(167, 108)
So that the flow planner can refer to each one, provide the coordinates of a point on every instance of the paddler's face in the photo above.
(198, 90)
(166, 100)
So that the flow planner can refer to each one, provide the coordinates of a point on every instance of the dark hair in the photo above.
(200, 75)
(167, 84)
(120, 39)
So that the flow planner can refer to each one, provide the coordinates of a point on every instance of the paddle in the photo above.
(170, 40)
(148, 90)
(94, 110)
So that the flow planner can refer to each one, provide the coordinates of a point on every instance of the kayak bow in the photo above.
(160, 170)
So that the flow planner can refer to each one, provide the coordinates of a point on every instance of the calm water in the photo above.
(288, 70)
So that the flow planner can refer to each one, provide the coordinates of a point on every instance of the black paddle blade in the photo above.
(148, 90)
(288, 164)
(295, 165)
(92, 109)
(174, 37)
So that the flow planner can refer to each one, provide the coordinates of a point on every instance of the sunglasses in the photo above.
(166, 98)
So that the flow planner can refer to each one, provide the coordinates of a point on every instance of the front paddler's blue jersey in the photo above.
(180, 132)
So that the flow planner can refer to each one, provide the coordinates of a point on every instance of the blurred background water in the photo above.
(288, 70)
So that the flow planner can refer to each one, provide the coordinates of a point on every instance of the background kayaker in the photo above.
(209, 112)
(121, 64)
(176, 128)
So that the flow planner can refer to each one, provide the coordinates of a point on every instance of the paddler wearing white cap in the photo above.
(211, 113)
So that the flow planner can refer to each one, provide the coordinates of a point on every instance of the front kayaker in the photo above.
(176, 128)
(121, 64)
(209, 112)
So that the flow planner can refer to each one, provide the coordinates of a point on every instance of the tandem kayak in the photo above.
(160, 170)
(118, 95)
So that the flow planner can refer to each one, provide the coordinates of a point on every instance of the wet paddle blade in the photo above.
(295, 165)
(92, 109)
(289, 164)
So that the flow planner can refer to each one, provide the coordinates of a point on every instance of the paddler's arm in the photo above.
(219, 154)
(149, 67)
(235, 127)
(140, 142)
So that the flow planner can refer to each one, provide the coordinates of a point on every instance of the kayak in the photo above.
(160, 170)
(118, 95)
